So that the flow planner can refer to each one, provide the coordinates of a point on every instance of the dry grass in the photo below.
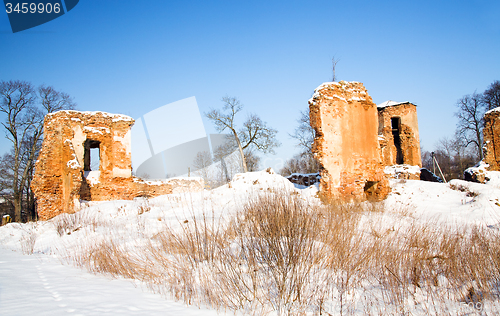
(66, 224)
(28, 242)
(279, 254)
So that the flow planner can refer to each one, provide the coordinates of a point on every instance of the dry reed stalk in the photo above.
(278, 253)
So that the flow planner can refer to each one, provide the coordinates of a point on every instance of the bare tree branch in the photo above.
(254, 133)
(25, 109)
(304, 134)
(491, 97)
(470, 124)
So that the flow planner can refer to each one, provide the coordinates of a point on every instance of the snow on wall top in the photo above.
(114, 117)
(390, 103)
(347, 86)
(493, 110)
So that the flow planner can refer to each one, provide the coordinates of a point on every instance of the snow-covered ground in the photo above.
(40, 285)
(37, 279)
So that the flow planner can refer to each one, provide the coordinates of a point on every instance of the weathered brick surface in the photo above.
(345, 121)
(409, 136)
(60, 179)
(491, 136)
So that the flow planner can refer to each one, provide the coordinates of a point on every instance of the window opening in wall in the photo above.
(396, 131)
(94, 158)
(92, 155)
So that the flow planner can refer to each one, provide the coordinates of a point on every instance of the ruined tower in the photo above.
(398, 133)
(491, 141)
(345, 121)
(491, 149)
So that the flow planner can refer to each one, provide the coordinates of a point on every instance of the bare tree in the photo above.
(455, 156)
(304, 134)
(300, 164)
(226, 148)
(305, 161)
(452, 155)
(491, 97)
(254, 133)
(471, 121)
(252, 160)
(25, 109)
(18, 104)
(426, 158)
(6, 175)
(201, 162)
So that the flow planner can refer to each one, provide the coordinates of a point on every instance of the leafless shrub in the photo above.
(28, 242)
(277, 239)
(66, 224)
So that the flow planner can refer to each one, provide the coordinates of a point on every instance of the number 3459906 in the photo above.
(33, 8)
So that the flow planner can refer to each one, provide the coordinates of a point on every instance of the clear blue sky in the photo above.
(131, 57)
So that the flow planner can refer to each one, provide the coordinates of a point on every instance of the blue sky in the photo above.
(131, 57)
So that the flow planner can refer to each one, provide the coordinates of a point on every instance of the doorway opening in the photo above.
(396, 131)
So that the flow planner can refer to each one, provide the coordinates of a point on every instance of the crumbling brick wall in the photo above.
(345, 122)
(398, 134)
(62, 172)
(491, 138)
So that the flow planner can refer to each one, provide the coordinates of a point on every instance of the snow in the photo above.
(390, 103)
(98, 130)
(433, 200)
(115, 117)
(40, 285)
(73, 163)
(357, 94)
(493, 110)
(397, 169)
(54, 287)
(492, 177)
(166, 181)
(92, 176)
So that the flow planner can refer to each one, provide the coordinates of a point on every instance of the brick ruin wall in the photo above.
(345, 121)
(62, 173)
(491, 137)
(491, 149)
(400, 144)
